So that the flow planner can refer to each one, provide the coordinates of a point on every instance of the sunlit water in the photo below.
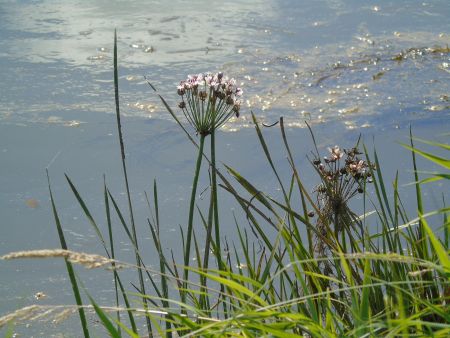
(346, 67)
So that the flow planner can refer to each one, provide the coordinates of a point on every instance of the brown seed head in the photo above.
(202, 95)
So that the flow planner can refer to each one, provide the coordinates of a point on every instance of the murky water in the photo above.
(346, 67)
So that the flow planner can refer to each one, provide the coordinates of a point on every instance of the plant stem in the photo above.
(215, 203)
(191, 215)
(218, 251)
(204, 298)
(130, 207)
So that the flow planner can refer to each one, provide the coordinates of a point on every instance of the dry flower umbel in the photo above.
(343, 174)
(209, 100)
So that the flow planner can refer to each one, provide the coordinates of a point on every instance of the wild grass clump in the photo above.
(325, 273)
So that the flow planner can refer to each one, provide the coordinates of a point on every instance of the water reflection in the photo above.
(333, 60)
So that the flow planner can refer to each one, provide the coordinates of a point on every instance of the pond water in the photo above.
(346, 67)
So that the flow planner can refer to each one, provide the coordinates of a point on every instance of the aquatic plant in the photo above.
(207, 102)
(343, 174)
(390, 280)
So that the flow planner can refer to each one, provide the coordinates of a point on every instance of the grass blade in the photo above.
(130, 206)
(73, 280)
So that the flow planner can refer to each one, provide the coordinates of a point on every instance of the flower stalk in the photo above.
(208, 101)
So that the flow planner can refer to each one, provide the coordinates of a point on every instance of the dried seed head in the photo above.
(182, 105)
(336, 153)
(202, 95)
(181, 90)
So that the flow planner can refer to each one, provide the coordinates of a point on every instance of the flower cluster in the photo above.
(353, 170)
(209, 100)
(343, 174)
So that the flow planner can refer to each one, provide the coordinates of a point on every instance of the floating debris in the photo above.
(86, 33)
(438, 108)
(378, 76)
(32, 203)
(72, 123)
(133, 77)
(97, 58)
(169, 19)
(60, 121)
(149, 49)
(39, 295)
(54, 119)
(136, 46)
(350, 110)
(241, 266)
(366, 39)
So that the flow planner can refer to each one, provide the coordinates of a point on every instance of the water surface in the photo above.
(346, 67)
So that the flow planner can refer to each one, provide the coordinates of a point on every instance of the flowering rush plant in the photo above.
(209, 100)
(343, 179)
(343, 174)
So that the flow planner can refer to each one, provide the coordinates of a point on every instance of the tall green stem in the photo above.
(187, 252)
(124, 167)
(204, 295)
(214, 194)
(218, 252)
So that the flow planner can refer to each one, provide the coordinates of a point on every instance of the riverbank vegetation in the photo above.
(303, 265)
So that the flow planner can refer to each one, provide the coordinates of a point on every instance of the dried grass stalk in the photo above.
(89, 261)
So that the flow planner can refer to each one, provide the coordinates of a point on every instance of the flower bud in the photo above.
(182, 105)
(236, 108)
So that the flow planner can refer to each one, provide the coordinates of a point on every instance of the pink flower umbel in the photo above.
(209, 100)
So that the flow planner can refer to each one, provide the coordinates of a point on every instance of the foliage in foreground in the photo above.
(323, 272)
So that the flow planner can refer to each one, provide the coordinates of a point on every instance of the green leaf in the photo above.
(105, 320)
(69, 267)
(436, 144)
(443, 162)
(437, 246)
